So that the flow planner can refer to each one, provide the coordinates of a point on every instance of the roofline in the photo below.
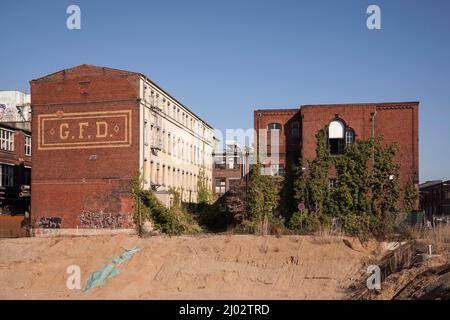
(81, 65)
(371, 104)
(14, 91)
(136, 73)
(364, 104)
(11, 127)
(276, 110)
(433, 183)
(175, 99)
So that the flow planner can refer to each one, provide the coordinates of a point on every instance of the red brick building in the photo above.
(86, 148)
(15, 175)
(95, 129)
(297, 128)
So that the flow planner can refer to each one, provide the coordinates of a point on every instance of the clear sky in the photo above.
(225, 58)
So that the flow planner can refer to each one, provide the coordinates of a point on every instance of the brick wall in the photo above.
(288, 146)
(85, 148)
(395, 122)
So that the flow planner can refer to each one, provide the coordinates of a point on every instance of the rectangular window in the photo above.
(27, 176)
(7, 175)
(6, 140)
(295, 130)
(447, 195)
(332, 183)
(274, 168)
(28, 145)
(220, 186)
(145, 133)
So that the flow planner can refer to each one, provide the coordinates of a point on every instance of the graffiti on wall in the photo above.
(107, 220)
(50, 222)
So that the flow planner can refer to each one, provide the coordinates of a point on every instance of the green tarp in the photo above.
(98, 278)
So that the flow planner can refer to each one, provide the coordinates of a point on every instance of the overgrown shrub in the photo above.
(212, 218)
(170, 221)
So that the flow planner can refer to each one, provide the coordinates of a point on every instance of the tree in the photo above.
(365, 197)
(351, 198)
(410, 197)
(385, 185)
(262, 200)
(203, 192)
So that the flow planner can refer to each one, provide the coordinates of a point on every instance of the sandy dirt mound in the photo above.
(201, 267)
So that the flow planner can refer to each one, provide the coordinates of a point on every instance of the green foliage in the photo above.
(385, 186)
(203, 192)
(350, 199)
(366, 196)
(262, 200)
(410, 197)
(311, 188)
(211, 217)
(170, 221)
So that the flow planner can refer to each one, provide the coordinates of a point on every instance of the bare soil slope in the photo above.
(185, 267)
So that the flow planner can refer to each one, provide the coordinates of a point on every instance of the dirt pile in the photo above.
(185, 267)
(408, 273)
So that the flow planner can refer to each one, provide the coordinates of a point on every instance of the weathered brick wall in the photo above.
(396, 122)
(287, 144)
(11, 227)
(81, 169)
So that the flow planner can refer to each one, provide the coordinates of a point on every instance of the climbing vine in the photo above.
(365, 197)
(262, 201)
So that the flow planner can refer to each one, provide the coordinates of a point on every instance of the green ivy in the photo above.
(262, 200)
(366, 197)
(169, 221)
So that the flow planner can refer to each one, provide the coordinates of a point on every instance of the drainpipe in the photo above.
(374, 117)
(257, 136)
(142, 184)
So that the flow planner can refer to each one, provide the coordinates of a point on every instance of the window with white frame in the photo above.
(145, 132)
(7, 175)
(28, 145)
(6, 140)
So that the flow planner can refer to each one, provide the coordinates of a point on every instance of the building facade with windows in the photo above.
(15, 167)
(282, 135)
(231, 167)
(96, 128)
(435, 198)
(177, 146)
(15, 106)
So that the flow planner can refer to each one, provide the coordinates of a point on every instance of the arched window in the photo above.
(339, 136)
(274, 126)
(336, 131)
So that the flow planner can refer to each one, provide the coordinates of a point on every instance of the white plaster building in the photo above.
(14, 106)
(175, 146)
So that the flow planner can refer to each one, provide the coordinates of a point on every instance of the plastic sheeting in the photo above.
(98, 278)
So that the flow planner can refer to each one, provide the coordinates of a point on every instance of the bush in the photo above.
(170, 221)
(211, 217)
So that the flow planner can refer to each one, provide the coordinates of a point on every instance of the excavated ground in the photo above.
(186, 267)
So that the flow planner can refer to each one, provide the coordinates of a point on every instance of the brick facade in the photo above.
(395, 122)
(82, 174)
(95, 129)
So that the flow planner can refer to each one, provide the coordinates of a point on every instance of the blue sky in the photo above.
(226, 58)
